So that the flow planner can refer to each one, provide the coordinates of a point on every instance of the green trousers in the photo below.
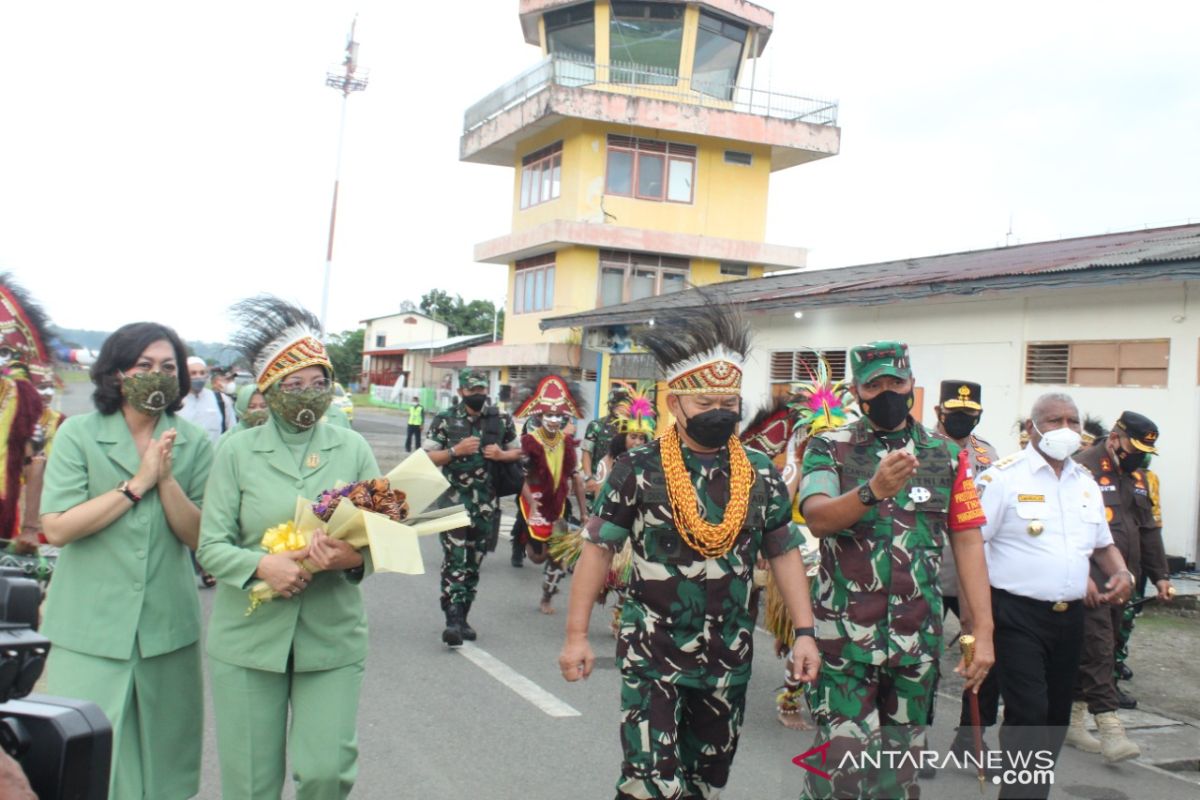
(865, 711)
(252, 730)
(156, 707)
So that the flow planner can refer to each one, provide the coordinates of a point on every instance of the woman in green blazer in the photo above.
(304, 650)
(122, 499)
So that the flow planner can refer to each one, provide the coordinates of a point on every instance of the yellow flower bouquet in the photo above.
(346, 513)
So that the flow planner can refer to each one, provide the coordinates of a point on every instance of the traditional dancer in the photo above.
(698, 509)
(550, 470)
(23, 336)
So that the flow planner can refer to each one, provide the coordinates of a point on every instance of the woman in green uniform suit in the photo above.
(122, 499)
(304, 650)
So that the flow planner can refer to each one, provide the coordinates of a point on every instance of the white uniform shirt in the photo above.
(1020, 494)
(202, 410)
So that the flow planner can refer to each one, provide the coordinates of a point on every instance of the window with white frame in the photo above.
(800, 366)
(626, 276)
(541, 175)
(649, 169)
(533, 287)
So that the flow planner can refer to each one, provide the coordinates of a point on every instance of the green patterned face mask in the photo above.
(252, 419)
(302, 409)
(150, 392)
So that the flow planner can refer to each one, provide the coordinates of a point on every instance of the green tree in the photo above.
(346, 352)
(462, 318)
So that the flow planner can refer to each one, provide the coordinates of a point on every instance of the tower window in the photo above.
(719, 45)
(651, 170)
(626, 276)
(541, 175)
(571, 32)
(648, 36)
(533, 285)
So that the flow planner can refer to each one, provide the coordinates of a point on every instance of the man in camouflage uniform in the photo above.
(455, 443)
(882, 494)
(1135, 522)
(686, 638)
(596, 436)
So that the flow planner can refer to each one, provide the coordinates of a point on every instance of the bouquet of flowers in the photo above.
(370, 514)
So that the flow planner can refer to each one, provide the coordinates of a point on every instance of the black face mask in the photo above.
(711, 428)
(475, 402)
(959, 424)
(888, 409)
(1130, 461)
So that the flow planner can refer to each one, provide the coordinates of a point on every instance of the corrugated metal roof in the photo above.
(1155, 254)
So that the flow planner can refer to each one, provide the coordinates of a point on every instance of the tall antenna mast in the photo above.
(347, 82)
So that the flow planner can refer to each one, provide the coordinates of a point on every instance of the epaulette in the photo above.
(1009, 460)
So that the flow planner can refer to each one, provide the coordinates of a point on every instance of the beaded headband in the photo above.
(293, 351)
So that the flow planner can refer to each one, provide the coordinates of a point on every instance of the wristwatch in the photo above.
(123, 488)
(809, 631)
(866, 496)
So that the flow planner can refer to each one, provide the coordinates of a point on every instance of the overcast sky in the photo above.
(162, 160)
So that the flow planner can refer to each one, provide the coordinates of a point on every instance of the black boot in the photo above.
(468, 633)
(453, 635)
(1124, 700)
(1123, 672)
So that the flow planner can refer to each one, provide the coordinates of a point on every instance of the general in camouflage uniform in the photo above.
(698, 510)
(455, 443)
(883, 494)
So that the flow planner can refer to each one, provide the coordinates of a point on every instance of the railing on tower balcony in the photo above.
(646, 81)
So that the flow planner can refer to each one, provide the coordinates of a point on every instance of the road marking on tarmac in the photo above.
(545, 702)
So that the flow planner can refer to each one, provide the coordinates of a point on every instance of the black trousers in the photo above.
(413, 439)
(1037, 658)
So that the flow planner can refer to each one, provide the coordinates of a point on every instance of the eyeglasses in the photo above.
(292, 387)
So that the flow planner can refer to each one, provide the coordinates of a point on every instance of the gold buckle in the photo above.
(1060, 606)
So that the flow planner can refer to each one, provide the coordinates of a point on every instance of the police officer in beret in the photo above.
(1131, 508)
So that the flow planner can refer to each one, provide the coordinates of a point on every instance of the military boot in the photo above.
(1123, 672)
(453, 634)
(1078, 735)
(1114, 744)
(468, 633)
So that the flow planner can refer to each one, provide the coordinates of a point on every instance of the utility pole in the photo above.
(346, 82)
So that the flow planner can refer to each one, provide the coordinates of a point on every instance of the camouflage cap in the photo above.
(869, 361)
(469, 378)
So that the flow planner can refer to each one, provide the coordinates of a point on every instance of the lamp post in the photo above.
(346, 82)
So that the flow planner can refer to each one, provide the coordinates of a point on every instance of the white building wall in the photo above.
(399, 332)
(984, 340)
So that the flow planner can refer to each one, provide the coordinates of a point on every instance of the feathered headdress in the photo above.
(24, 326)
(820, 403)
(702, 351)
(636, 413)
(550, 394)
(771, 428)
(278, 338)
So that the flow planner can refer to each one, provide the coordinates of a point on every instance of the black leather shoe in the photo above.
(1123, 672)
(1125, 701)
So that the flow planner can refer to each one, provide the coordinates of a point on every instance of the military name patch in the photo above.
(1031, 498)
